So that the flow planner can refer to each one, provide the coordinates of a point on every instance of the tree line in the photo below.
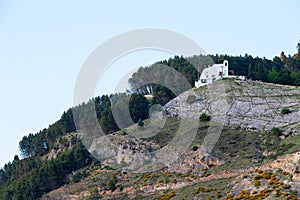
(281, 70)
(32, 176)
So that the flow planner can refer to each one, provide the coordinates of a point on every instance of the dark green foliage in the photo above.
(41, 177)
(94, 194)
(142, 80)
(195, 148)
(127, 109)
(285, 111)
(67, 122)
(274, 76)
(254, 68)
(39, 143)
(140, 123)
(110, 110)
(275, 131)
(148, 80)
(284, 70)
(79, 176)
(31, 177)
(112, 183)
(162, 95)
(138, 107)
(26, 146)
(106, 120)
(204, 117)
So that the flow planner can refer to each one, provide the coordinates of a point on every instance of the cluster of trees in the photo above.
(280, 70)
(113, 112)
(162, 79)
(31, 178)
(39, 144)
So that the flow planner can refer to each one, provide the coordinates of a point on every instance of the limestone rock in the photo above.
(250, 105)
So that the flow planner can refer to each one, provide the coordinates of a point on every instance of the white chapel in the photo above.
(216, 72)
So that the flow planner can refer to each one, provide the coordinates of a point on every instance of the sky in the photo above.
(43, 45)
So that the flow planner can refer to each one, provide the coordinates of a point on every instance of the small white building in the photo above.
(216, 72)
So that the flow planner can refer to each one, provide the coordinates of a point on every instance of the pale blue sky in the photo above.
(44, 43)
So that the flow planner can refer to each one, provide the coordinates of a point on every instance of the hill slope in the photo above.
(248, 161)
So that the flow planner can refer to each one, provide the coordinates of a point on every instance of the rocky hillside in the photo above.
(250, 105)
(249, 161)
(266, 182)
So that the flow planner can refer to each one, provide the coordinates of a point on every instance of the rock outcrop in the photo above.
(192, 162)
(247, 105)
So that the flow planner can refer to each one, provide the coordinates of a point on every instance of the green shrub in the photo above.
(112, 183)
(140, 123)
(285, 111)
(204, 117)
(195, 148)
(275, 131)
(79, 176)
(94, 194)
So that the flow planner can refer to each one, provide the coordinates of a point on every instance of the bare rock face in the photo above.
(295, 186)
(289, 163)
(193, 162)
(248, 105)
(134, 155)
(123, 151)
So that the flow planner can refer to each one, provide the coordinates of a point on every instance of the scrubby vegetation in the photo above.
(268, 184)
(204, 117)
(275, 131)
(285, 111)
